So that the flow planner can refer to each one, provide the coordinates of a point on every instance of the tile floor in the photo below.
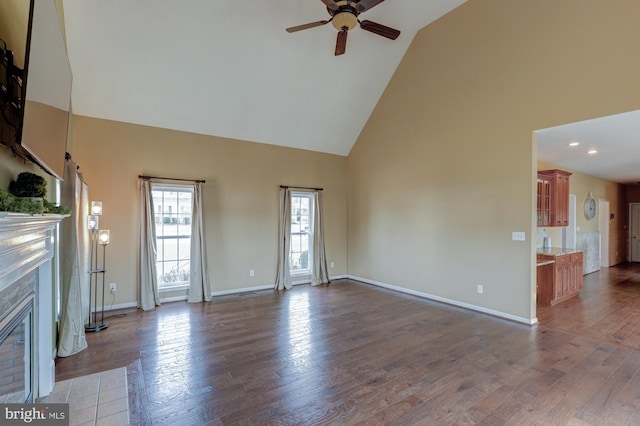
(99, 399)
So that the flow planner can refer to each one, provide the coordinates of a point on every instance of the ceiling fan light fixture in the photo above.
(344, 19)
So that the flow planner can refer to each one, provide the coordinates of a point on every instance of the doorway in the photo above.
(603, 224)
(634, 232)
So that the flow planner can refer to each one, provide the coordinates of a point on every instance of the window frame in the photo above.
(178, 213)
(310, 233)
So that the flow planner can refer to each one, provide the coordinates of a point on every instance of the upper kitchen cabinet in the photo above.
(553, 198)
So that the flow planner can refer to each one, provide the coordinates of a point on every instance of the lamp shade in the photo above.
(93, 222)
(103, 236)
(96, 208)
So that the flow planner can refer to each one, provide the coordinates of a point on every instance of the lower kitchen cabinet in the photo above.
(561, 279)
(576, 271)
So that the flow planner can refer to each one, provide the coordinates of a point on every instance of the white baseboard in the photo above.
(249, 289)
(120, 306)
(173, 299)
(217, 293)
(265, 287)
(241, 290)
(464, 305)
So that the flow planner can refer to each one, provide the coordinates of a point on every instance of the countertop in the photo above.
(545, 256)
(556, 251)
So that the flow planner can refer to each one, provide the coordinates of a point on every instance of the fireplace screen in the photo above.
(15, 356)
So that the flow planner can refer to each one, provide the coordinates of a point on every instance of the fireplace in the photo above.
(16, 353)
(27, 289)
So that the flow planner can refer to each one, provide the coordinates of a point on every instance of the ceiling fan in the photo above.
(344, 17)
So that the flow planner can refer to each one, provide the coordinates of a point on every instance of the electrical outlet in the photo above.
(480, 289)
(112, 287)
(251, 272)
(332, 265)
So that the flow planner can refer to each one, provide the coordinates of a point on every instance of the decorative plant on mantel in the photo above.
(28, 184)
(25, 196)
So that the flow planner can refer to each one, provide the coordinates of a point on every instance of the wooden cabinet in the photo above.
(560, 198)
(544, 201)
(544, 283)
(553, 198)
(560, 280)
(561, 277)
(576, 271)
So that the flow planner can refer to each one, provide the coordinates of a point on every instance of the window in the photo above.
(300, 255)
(173, 206)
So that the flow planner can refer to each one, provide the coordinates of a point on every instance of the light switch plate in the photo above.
(518, 236)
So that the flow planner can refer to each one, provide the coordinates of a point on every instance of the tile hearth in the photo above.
(99, 399)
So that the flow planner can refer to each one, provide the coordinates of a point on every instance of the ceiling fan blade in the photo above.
(306, 26)
(341, 42)
(367, 4)
(331, 4)
(380, 29)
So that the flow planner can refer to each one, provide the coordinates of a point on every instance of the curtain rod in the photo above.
(301, 187)
(168, 178)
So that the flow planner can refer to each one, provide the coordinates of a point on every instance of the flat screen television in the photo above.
(46, 79)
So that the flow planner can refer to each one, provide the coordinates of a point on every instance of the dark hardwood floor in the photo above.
(350, 353)
(608, 307)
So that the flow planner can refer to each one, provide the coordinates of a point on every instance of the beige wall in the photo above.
(241, 196)
(442, 174)
(444, 171)
(11, 166)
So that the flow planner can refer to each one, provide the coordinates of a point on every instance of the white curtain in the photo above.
(74, 261)
(283, 277)
(199, 287)
(148, 295)
(319, 271)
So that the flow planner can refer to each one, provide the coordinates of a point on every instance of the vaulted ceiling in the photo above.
(229, 68)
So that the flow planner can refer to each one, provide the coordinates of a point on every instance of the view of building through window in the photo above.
(300, 255)
(173, 207)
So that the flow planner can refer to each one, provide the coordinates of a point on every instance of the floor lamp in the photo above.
(99, 237)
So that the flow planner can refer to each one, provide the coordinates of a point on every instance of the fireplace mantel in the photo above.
(26, 245)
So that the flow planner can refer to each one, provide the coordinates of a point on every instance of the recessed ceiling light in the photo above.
(574, 143)
(592, 151)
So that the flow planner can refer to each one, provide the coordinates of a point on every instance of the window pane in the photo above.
(170, 249)
(167, 275)
(184, 249)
